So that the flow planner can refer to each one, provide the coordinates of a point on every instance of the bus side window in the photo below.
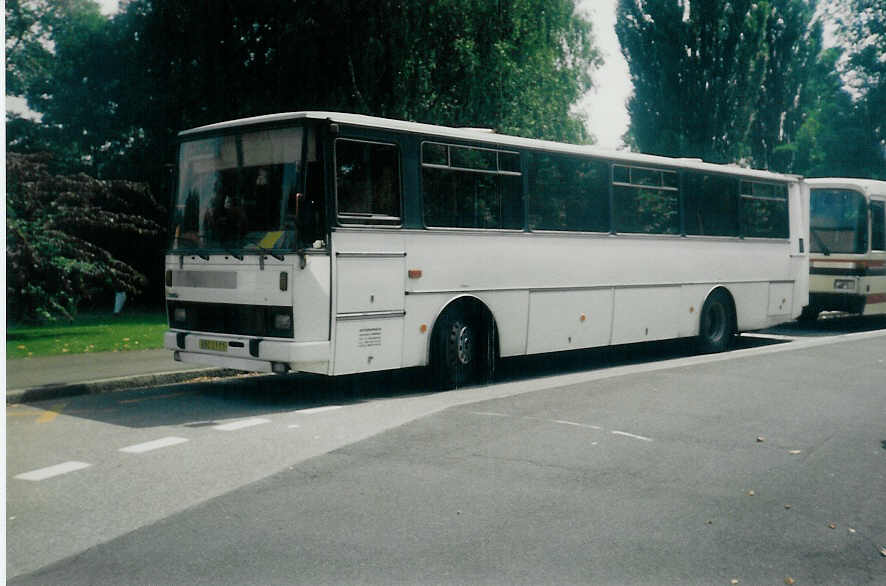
(646, 200)
(471, 187)
(367, 178)
(710, 205)
(764, 210)
(568, 193)
(878, 225)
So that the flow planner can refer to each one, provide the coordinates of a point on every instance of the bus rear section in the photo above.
(848, 247)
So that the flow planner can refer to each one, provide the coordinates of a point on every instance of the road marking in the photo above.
(235, 425)
(294, 426)
(313, 410)
(626, 434)
(490, 414)
(154, 445)
(50, 471)
(49, 415)
(589, 426)
(770, 336)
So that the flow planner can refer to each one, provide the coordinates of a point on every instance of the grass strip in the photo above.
(88, 333)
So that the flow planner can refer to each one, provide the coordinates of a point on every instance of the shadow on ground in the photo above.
(211, 400)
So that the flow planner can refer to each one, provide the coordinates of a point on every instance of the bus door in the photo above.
(368, 253)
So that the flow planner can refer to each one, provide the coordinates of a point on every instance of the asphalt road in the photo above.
(640, 465)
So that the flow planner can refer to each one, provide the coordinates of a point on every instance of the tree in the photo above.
(113, 92)
(861, 29)
(719, 80)
(57, 226)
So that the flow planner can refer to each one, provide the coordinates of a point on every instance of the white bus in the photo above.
(848, 247)
(336, 244)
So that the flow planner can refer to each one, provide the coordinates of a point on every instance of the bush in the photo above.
(55, 229)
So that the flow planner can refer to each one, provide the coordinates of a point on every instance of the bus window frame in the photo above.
(449, 142)
(662, 187)
(874, 203)
(383, 222)
(742, 225)
(527, 192)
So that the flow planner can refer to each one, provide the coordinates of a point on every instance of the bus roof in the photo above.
(491, 138)
(866, 186)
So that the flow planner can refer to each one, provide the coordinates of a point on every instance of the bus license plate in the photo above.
(214, 345)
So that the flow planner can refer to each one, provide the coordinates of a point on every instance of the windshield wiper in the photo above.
(268, 251)
(182, 252)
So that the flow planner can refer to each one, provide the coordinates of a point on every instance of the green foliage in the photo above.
(719, 80)
(861, 29)
(55, 224)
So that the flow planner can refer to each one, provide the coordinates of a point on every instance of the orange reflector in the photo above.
(414, 273)
(583, 317)
(423, 328)
(691, 309)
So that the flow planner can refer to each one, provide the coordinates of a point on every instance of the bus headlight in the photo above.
(844, 285)
(180, 315)
(282, 321)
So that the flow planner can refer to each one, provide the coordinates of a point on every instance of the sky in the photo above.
(603, 107)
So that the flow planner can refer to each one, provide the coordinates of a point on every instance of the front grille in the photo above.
(228, 318)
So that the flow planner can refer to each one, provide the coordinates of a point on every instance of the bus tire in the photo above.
(456, 351)
(808, 315)
(716, 324)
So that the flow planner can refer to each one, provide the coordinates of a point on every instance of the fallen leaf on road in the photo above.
(760, 439)
(733, 581)
(795, 452)
(832, 525)
(788, 580)
(851, 530)
(883, 551)
(787, 506)
(751, 493)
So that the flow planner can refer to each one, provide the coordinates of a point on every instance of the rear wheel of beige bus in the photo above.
(717, 323)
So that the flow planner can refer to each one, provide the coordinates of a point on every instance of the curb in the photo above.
(56, 391)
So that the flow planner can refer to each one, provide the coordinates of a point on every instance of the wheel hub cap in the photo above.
(464, 345)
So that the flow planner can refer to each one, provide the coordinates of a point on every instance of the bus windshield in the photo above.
(838, 221)
(240, 192)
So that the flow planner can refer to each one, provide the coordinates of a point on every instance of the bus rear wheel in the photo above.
(809, 314)
(716, 330)
(456, 350)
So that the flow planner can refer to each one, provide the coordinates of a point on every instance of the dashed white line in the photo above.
(153, 445)
(589, 426)
(632, 435)
(235, 425)
(313, 410)
(490, 414)
(50, 471)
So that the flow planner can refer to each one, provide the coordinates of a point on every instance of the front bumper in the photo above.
(248, 354)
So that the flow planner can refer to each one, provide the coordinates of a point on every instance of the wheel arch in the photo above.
(730, 297)
(473, 306)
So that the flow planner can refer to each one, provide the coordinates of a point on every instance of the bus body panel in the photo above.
(539, 285)
(566, 320)
(223, 284)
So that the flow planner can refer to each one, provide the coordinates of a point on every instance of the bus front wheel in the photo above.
(455, 355)
(716, 323)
